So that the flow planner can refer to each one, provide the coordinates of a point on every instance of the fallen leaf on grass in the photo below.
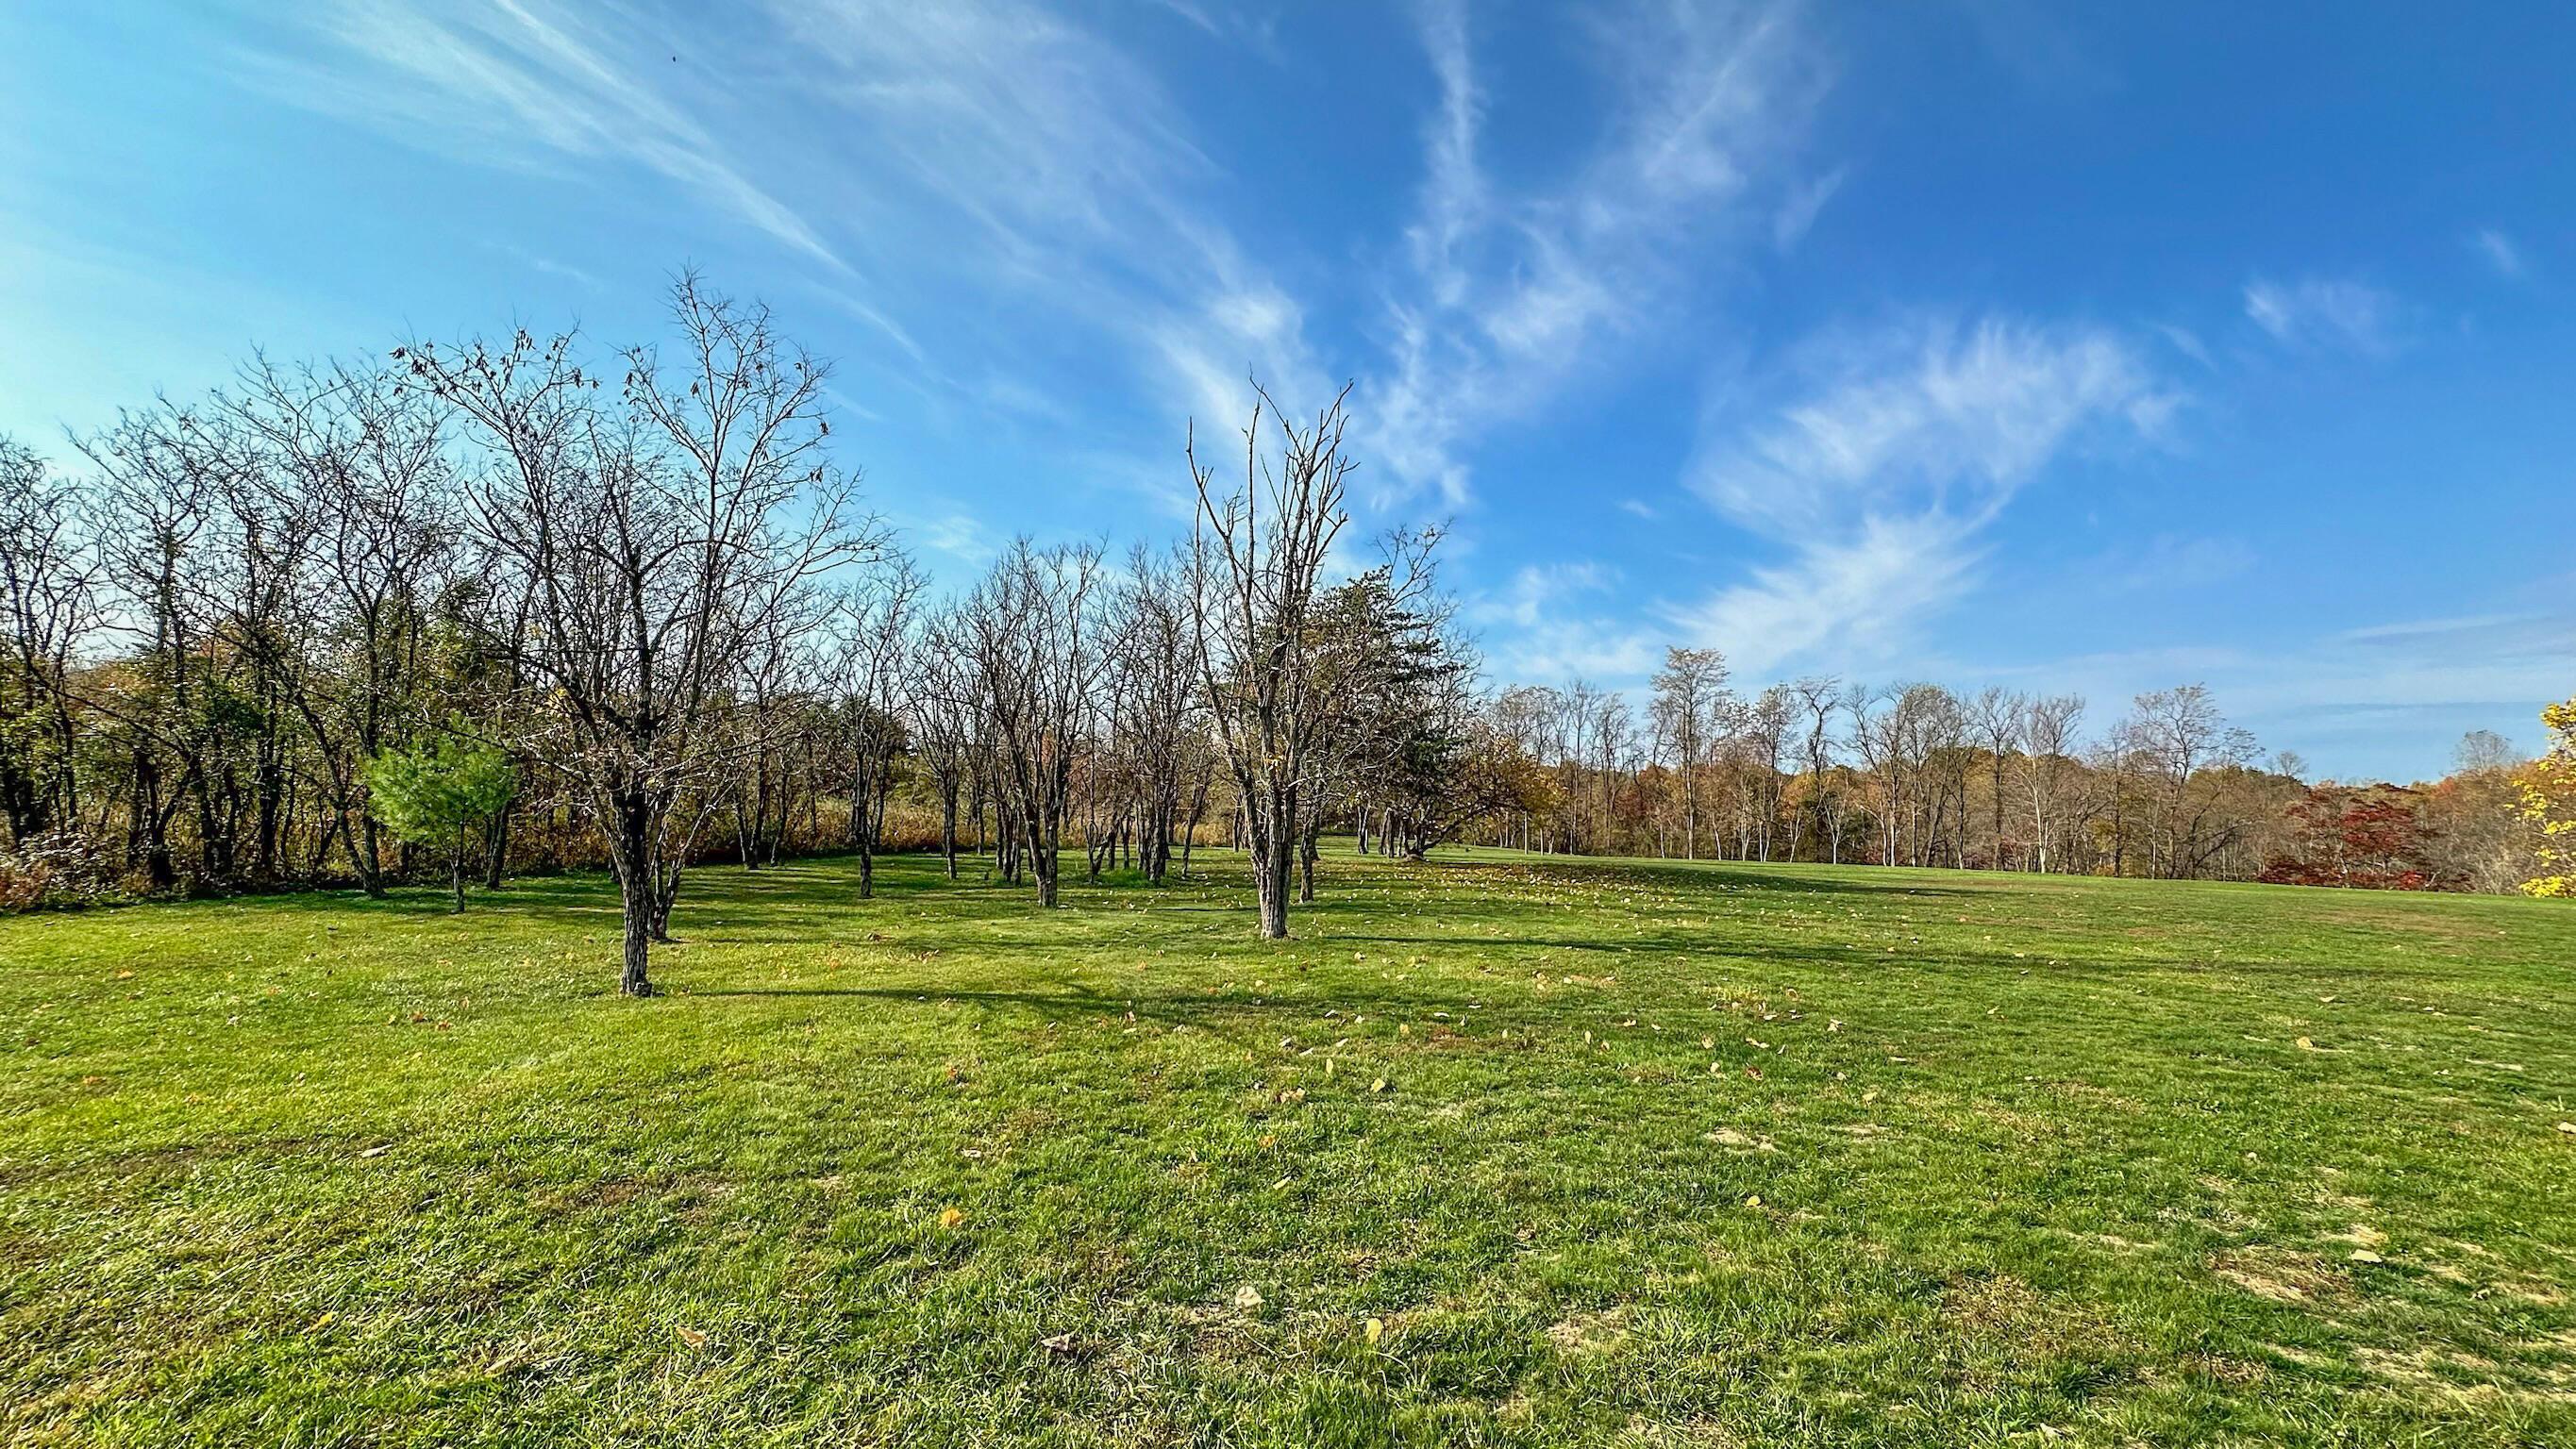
(952, 1218)
(2306, 1045)
(1247, 1298)
(1378, 1086)
(693, 1338)
(1373, 1330)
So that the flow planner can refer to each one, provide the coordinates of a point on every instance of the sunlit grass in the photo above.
(1612, 1153)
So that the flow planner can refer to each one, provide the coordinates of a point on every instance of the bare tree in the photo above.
(666, 538)
(874, 669)
(161, 509)
(1817, 700)
(2048, 727)
(1156, 646)
(2479, 752)
(361, 481)
(1258, 554)
(1995, 720)
(2183, 742)
(1761, 737)
(1035, 645)
(1614, 729)
(48, 603)
(1688, 698)
(947, 717)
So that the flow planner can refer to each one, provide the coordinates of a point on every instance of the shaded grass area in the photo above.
(1613, 1153)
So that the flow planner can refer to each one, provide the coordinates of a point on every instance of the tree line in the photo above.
(506, 604)
(515, 604)
(1830, 771)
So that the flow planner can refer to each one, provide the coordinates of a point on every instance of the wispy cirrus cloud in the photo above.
(2168, 562)
(1798, 213)
(1056, 149)
(1034, 147)
(1549, 636)
(1879, 480)
(1535, 591)
(2389, 699)
(2500, 252)
(2325, 314)
(510, 81)
(1510, 295)
(530, 84)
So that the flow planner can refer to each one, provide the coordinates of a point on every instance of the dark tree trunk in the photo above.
(1271, 884)
(948, 826)
(497, 857)
(637, 894)
(366, 857)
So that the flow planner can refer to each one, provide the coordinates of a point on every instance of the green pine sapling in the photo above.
(445, 792)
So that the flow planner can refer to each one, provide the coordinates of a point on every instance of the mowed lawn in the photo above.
(1611, 1153)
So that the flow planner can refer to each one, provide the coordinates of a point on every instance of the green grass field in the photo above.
(1609, 1153)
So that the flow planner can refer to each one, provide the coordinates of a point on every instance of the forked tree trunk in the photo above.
(1270, 838)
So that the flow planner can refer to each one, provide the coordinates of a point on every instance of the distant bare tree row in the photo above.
(1818, 769)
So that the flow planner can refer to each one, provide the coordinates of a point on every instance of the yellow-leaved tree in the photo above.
(2549, 798)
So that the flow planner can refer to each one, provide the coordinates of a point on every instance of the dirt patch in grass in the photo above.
(1586, 1335)
(2007, 1310)
(2282, 1275)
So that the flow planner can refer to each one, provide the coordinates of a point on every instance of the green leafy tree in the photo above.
(444, 793)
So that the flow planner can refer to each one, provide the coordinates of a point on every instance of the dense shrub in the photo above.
(61, 869)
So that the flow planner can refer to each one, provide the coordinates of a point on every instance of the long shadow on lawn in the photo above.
(1782, 878)
(1167, 1006)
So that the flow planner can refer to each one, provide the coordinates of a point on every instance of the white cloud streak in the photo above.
(1511, 296)
(529, 84)
(2500, 252)
(2324, 314)
(1878, 483)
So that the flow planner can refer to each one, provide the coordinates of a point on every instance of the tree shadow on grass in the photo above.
(1195, 1008)
(1780, 878)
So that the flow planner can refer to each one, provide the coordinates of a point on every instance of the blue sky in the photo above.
(2073, 347)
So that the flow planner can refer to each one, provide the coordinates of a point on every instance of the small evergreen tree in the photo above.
(444, 793)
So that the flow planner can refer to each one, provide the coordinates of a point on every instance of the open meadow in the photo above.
(1501, 1149)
